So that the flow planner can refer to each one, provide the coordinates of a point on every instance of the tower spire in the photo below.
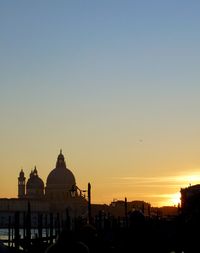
(21, 184)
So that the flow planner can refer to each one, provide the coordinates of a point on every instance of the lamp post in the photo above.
(73, 191)
(89, 204)
(126, 212)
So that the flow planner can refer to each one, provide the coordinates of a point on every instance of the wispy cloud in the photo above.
(162, 190)
(156, 181)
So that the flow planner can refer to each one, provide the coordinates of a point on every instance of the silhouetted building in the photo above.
(21, 185)
(34, 186)
(166, 212)
(60, 194)
(190, 199)
(60, 181)
(117, 208)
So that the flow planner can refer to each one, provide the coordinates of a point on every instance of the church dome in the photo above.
(60, 177)
(34, 182)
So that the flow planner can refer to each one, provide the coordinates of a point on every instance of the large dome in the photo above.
(60, 177)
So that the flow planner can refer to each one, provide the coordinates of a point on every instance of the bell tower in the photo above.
(21, 185)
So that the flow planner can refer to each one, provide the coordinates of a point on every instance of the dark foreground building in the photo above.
(190, 200)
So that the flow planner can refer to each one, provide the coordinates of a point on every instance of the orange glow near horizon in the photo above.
(157, 190)
(146, 184)
(176, 199)
(173, 199)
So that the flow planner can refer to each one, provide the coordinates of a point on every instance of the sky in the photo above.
(113, 83)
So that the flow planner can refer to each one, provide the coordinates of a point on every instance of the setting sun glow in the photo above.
(175, 199)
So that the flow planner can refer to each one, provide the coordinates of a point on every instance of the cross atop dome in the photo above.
(35, 171)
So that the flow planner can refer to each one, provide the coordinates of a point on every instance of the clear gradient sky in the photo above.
(115, 84)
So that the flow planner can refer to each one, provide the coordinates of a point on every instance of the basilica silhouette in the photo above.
(60, 194)
(60, 185)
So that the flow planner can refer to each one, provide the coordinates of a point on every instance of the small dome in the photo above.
(34, 182)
